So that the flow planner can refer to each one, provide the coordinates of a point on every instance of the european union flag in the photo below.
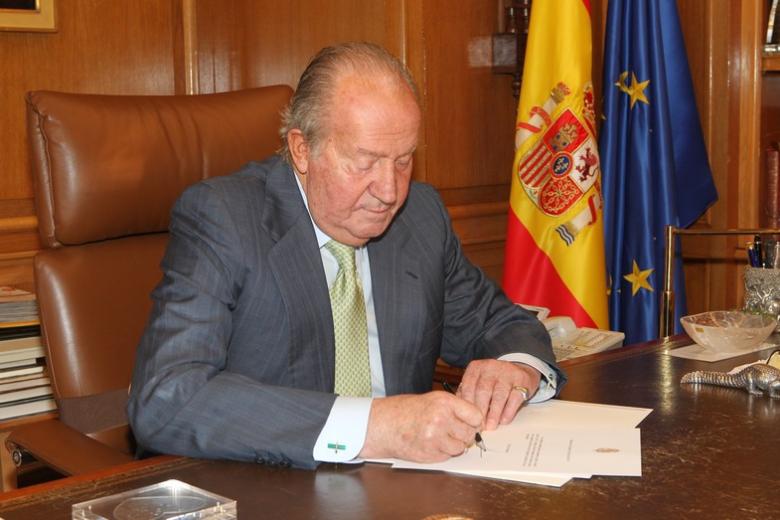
(654, 163)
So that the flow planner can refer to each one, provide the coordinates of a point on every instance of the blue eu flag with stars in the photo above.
(654, 163)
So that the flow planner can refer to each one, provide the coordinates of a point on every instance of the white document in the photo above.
(542, 479)
(574, 453)
(587, 425)
(556, 414)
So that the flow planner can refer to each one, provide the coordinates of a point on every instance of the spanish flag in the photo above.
(555, 239)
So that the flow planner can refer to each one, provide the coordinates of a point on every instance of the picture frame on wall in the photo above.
(28, 15)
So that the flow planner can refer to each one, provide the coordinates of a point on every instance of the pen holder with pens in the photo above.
(762, 291)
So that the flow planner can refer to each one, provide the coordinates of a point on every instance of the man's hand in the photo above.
(491, 385)
(430, 427)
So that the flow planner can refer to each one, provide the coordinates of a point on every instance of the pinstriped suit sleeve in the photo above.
(479, 321)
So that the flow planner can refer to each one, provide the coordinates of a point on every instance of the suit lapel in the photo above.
(297, 267)
(396, 284)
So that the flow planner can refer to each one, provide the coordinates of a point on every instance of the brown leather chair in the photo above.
(107, 170)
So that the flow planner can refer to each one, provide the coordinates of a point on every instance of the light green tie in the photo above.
(353, 371)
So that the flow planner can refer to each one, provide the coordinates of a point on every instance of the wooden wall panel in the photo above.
(700, 21)
(299, 28)
(470, 113)
(598, 21)
(712, 88)
(247, 43)
(219, 33)
(470, 117)
(723, 44)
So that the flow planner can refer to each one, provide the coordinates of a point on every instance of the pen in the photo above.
(776, 261)
(759, 252)
(751, 252)
(477, 437)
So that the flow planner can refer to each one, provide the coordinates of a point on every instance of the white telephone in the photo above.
(568, 341)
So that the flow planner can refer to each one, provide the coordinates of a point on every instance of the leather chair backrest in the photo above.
(106, 172)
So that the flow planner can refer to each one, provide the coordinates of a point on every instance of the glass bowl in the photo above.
(728, 331)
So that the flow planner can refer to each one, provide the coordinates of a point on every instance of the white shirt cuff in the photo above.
(549, 382)
(344, 433)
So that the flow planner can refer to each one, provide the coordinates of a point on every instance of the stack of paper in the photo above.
(552, 442)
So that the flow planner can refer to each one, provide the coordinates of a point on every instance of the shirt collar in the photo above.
(322, 237)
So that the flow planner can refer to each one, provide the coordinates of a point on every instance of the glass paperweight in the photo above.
(762, 291)
(169, 500)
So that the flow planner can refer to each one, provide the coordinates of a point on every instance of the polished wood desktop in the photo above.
(707, 452)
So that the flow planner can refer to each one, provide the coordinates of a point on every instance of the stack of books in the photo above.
(25, 388)
(18, 309)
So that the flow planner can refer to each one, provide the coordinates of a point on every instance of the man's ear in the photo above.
(299, 150)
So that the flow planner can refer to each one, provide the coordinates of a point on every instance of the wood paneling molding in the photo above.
(190, 45)
(412, 51)
(16, 224)
(747, 73)
(478, 210)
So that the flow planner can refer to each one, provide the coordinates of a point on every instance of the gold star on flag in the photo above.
(638, 279)
(636, 90)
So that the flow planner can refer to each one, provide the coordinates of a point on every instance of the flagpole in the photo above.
(666, 323)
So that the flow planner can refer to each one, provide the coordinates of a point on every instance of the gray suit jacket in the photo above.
(237, 360)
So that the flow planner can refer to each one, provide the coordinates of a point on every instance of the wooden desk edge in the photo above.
(627, 351)
(118, 473)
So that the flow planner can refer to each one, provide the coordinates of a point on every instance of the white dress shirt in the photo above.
(344, 433)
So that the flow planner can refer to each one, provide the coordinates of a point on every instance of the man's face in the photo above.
(358, 175)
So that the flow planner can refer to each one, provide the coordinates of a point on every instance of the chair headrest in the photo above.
(111, 166)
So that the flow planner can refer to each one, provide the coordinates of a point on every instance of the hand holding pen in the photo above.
(428, 427)
(477, 437)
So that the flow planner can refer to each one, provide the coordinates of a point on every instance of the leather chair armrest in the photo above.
(64, 449)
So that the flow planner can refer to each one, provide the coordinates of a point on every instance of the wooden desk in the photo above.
(708, 452)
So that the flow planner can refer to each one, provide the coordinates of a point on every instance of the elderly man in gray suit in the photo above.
(306, 298)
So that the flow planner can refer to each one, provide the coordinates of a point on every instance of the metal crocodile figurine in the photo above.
(753, 378)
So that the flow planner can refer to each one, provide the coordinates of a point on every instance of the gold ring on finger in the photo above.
(523, 390)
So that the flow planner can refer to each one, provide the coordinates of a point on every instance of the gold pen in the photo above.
(477, 437)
